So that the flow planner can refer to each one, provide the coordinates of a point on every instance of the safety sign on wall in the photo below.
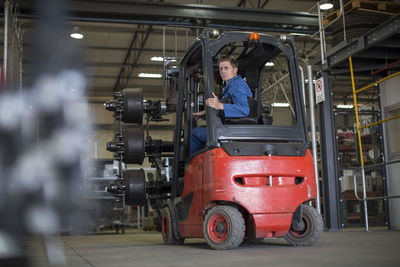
(319, 90)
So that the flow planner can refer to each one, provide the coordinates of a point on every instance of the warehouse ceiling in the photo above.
(121, 37)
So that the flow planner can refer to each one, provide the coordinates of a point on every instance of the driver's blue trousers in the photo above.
(198, 138)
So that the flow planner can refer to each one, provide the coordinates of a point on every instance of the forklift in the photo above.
(254, 178)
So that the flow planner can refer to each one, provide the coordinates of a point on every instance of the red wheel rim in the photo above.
(302, 233)
(218, 228)
(164, 226)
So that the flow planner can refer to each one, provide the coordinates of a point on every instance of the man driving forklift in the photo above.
(236, 90)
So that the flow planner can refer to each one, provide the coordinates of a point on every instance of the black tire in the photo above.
(167, 228)
(224, 227)
(135, 187)
(132, 107)
(134, 149)
(312, 231)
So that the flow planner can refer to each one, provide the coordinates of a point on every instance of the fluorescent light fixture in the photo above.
(325, 5)
(150, 75)
(156, 59)
(344, 106)
(280, 105)
(76, 33)
(159, 59)
(269, 64)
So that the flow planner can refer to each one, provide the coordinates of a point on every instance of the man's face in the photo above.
(227, 71)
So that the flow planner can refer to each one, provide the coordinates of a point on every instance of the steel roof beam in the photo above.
(368, 40)
(160, 13)
(131, 60)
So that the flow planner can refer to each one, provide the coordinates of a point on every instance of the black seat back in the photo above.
(252, 118)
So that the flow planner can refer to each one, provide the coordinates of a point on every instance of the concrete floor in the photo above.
(138, 248)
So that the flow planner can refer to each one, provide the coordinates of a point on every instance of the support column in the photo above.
(329, 159)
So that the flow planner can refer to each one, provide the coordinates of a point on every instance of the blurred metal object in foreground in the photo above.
(44, 130)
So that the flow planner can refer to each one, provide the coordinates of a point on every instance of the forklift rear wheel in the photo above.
(167, 230)
(224, 227)
(313, 228)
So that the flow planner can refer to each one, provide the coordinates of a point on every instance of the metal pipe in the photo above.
(176, 42)
(369, 198)
(303, 89)
(389, 66)
(287, 99)
(380, 122)
(378, 82)
(321, 36)
(364, 197)
(313, 135)
(327, 25)
(164, 72)
(275, 83)
(187, 38)
(167, 170)
(261, 29)
(344, 21)
(367, 167)
(5, 59)
(380, 164)
(356, 110)
(180, 24)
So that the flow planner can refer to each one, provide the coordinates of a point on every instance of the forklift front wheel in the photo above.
(224, 227)
(313, 227)
(167, 228)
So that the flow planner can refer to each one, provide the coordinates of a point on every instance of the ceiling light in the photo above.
(269, 64)
(149, 75)
(161, 59)
(156, 59)
(325, 5)
(76, 33)
(345, 106)
(280, 105)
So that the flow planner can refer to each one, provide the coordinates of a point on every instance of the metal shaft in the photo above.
(313, 135)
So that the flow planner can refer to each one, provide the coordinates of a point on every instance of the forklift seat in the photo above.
(252, 118)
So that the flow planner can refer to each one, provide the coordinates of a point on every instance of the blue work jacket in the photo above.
(239, 91)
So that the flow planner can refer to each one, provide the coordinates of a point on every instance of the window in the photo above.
(277, 92)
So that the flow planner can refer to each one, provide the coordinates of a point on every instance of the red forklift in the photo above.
(254, 178)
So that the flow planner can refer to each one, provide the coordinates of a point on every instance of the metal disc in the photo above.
(135, 187)
(132, 109)
(134, 152)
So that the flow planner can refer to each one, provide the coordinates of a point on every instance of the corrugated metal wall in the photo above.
(99, 114)
(103, 131)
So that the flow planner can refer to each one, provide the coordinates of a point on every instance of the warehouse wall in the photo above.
(102, 121)
(390, 101)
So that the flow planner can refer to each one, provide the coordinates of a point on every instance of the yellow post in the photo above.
(356, 110)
